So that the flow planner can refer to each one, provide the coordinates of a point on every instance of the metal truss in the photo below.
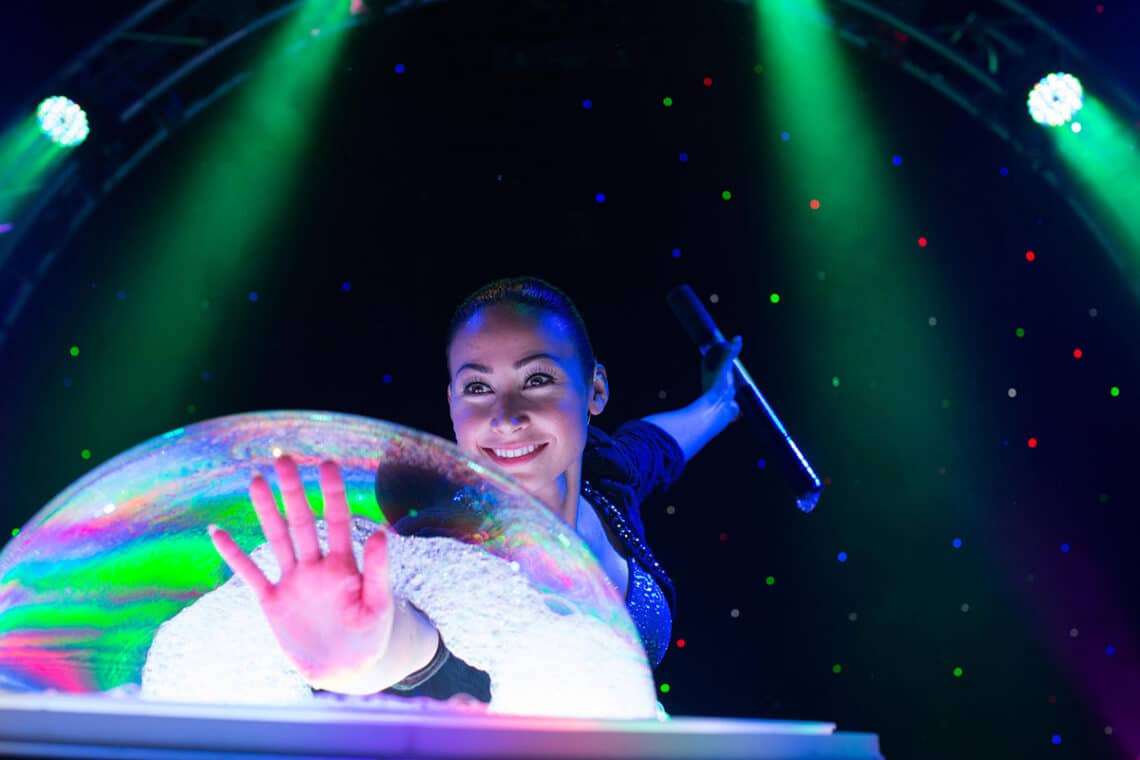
(154, 72)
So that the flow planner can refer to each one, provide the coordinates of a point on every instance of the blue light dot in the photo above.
(67, 382)
(346, 286)
(684, 157)
(121, 295)
(761, 463)
(896, 160)
(842, 556)
(1110, 650)
(387, 378)
(1004, 172)
(587, 104)
(400, 68)
(1065, 548)
(957, 542)
(676, 253)
(253, 296)
(206, 376)
(785, 136)
(600, 197)
(1056, 738)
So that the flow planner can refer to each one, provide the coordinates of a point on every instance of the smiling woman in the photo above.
(524, 383)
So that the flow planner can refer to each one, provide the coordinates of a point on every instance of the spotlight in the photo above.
(1055, 99)
(63, 121)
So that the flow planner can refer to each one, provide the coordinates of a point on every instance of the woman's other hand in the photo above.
(334, 623)
(718, 383)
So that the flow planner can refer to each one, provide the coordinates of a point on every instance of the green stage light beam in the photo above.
(880, 375)
(1103, 157)
(199, 246)
(27, 158)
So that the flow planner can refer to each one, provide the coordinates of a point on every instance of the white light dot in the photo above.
(852, 616)
(1073, 633)
(276, 452)
(670, 510)
(515, 567)
(965, 607)
(714, 298)
(735, 613)
(1012, 392)
(661, 394)
(1108, 730)
(108, 509)
(933, 321)
(1092, 312)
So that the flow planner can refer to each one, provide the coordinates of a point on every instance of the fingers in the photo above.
(272, 524)
(297, 511)
(240, 563)
(337, 515)
(377, 590)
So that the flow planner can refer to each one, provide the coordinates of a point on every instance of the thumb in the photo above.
(377, 593)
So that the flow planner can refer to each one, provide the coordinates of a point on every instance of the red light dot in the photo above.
(1052, 699)
(922, 242)
(708, 81)
(1032, 443)
(1078, 353)
(1099, 8)
(1030, 256)
(723, 536)
(814, 203)
(680, 643)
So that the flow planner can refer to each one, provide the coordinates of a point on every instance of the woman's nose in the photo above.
(508, 413)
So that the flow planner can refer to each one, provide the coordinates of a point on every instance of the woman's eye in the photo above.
(474, 388)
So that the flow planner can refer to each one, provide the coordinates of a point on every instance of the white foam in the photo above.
(540, 662)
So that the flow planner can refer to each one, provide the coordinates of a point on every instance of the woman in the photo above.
(524, 383)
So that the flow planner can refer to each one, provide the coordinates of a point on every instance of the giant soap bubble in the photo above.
(114, 585)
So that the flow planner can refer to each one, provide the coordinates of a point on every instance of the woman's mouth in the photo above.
(516, 455)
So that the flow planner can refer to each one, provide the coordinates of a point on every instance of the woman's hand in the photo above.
(718, 382)
(333, 622)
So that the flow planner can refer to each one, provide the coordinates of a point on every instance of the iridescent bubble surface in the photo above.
(88, 581)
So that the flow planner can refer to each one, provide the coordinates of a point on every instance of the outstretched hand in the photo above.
(332, 621)
(718, 381)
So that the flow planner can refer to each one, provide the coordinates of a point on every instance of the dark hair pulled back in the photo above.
(533, 293)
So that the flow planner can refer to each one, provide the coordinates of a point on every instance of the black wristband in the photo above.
(426, 672)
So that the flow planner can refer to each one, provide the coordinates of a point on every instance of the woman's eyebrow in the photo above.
(521, 362)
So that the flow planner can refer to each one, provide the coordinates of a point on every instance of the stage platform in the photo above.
(79, 726)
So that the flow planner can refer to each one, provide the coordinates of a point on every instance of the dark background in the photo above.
(425, 185)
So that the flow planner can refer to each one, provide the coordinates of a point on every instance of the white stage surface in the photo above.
(65, 726)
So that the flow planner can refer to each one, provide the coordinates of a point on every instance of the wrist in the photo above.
(411, 646)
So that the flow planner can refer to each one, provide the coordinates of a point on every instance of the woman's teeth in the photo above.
(512, 453)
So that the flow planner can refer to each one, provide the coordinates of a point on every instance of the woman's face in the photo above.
(516, 383)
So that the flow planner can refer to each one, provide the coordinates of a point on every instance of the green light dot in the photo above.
(74, 351)
(86, 453)
(945, 403)
(668, 102)
(664, 688)
(836, 668)
(1114, 391)
(726, 195)
(771, 581)
(1020, 332)
(957, 672)
(413, 512)
(15, 532)
(191, 408)
(774, 298)
(835, 382)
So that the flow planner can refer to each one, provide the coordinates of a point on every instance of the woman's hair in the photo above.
(532, 293)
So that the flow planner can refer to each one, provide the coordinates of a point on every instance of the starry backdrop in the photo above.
(964, 373)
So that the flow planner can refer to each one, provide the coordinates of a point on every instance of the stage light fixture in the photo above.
(63, 121)
(1055, 99)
